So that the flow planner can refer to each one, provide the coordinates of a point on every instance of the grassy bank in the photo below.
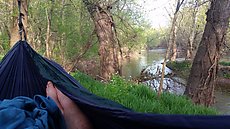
(181, 69)
(1, 56)
(140, 98)
(224, 63)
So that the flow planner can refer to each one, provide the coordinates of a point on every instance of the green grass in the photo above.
(1, 56)
(140, 98)
(226, 75)
(224, 63)
(224, 72)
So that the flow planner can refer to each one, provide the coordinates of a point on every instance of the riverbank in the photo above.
(140, 98)
(182, 70)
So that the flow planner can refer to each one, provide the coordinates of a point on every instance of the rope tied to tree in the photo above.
(20, 23)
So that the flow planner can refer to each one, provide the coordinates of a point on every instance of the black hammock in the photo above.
(23, 72)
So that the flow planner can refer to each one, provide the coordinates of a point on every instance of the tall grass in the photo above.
(1, 56)
(140, 98)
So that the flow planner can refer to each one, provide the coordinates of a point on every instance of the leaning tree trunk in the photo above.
(104, 27)
(201, 82)
(14, 33)
(171, 44)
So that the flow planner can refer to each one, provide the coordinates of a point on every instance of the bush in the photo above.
(224, 63)
(226, 75)
(140, 98)
(181, 69)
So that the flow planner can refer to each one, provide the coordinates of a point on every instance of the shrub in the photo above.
(224, 63)
(181, 69)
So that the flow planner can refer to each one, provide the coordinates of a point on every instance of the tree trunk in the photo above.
(173, 39)
(14, 36)
(49, 11)
(104, 26)
(62, 43)
(171, 44)
(108, 49)
(201, 82)
(192, 32)
(48, 31)
(173, 31)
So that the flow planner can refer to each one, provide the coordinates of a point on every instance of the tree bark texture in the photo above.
(14, 34)
(108, 48)
(201, 82)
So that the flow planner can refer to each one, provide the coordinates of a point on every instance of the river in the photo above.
(133, 66)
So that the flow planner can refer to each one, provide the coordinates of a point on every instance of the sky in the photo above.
(156, 12)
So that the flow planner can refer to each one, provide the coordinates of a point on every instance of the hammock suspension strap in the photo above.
(20, 24)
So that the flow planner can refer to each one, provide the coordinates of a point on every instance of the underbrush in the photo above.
(224, 63)
(226, 75)
(224, 69)
(181, 69)
(140, 98)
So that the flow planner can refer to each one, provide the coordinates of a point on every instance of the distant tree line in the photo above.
(72, 32)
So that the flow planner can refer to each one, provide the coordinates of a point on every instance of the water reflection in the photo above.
(132, 68)
(222, 95)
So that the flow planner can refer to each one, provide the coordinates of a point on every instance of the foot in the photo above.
(74, 117)
(52, 93)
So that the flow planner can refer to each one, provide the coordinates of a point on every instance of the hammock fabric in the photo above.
(23, 72)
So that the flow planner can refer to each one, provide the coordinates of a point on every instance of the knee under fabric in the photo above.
(23, 112)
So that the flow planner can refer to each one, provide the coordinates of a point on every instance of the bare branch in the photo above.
(179, 3)
(204, 2)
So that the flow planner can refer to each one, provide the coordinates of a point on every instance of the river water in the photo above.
(132, 68)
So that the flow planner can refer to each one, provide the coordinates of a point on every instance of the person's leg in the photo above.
(74, 117)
